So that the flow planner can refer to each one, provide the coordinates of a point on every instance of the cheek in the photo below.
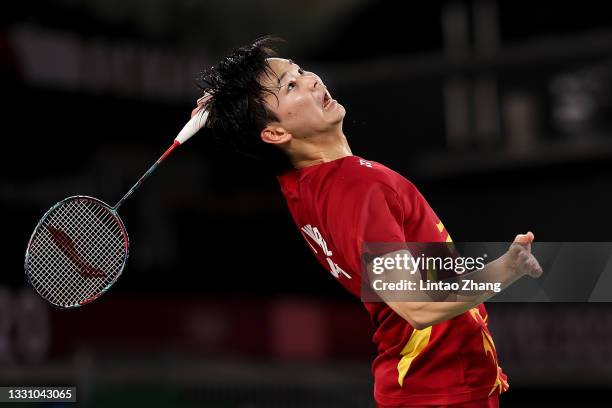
(300, 108)
(310, 108)
(300, 112)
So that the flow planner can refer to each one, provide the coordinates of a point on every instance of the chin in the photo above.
(341, 112)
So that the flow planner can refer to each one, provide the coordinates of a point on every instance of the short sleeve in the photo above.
(376, 216)
(381, 217)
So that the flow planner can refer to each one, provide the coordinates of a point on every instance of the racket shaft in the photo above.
(147, 174)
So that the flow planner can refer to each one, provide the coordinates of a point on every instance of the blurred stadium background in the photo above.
(500, 112)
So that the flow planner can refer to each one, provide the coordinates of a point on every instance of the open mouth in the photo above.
(326, 99)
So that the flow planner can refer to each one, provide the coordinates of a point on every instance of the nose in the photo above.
(316, 81)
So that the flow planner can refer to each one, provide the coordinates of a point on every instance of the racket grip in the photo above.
(191, 128)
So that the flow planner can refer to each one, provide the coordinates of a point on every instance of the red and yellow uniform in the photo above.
(341, 204)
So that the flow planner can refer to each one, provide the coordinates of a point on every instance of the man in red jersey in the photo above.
(429, 353)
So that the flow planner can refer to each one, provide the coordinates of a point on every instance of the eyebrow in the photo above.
(280, 78)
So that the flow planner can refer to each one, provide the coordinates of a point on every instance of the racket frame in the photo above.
(126, 244)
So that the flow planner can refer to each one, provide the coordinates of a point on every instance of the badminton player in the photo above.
(429, 353)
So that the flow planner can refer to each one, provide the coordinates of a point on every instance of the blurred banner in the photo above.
(537, 346)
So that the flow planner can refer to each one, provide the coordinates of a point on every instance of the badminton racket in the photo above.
(80, 246)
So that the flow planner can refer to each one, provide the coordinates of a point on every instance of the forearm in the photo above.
(422, 308)
(445, 305)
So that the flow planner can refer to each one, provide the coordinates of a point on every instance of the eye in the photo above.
(290, 85)
(300, 71)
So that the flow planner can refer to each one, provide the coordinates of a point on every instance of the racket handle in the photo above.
(191, 128)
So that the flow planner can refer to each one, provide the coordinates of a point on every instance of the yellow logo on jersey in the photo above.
(500, 383)
(419, 339)
(441, 228)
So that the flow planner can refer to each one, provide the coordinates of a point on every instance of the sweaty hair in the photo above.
(237, 111)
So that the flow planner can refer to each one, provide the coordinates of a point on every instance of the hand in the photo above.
(201, 103)
(520, 259)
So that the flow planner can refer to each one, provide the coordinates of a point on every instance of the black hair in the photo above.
(237, 111)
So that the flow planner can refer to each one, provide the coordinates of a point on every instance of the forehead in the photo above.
(278, 66)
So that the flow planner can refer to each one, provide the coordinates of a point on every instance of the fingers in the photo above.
(525, 261)
(204, 98)
(201, 103)
(529, 265)
(533, 267)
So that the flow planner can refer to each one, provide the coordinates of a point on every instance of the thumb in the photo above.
(196, 110)
(524, 238)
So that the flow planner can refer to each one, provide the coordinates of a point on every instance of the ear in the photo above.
(275, 134)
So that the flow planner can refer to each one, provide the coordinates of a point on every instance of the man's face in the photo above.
(304, 107)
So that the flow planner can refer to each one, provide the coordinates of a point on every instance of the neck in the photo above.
(317, 153)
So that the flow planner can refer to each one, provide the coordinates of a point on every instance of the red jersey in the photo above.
(341, 204)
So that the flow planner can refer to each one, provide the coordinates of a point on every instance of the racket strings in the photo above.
(77, 251)
(50, 247)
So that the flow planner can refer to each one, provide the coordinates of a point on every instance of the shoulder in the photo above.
(362, 174)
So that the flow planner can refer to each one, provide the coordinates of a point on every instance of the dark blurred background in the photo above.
(499, 111)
